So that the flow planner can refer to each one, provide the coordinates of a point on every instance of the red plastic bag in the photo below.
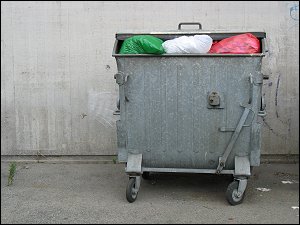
(240, 44)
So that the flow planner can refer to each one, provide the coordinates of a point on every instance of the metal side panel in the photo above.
(255, 147)
(256, 144)
(166, 115)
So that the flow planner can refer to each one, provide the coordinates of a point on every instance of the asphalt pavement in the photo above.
(95, 193)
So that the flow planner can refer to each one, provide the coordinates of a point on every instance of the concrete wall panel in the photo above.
(57, 86)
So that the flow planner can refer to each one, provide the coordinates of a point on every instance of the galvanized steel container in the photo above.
(191, 113)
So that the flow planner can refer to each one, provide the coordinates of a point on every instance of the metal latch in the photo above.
(214, 99)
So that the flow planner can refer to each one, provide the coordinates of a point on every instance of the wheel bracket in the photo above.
(242, 187)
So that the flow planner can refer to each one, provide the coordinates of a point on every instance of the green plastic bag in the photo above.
(142, 44)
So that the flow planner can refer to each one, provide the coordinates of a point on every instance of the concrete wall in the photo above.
(57, 86)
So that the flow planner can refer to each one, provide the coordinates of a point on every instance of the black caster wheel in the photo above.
(232, 194)
(131, 190)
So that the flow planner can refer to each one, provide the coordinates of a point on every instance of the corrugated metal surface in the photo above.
(167, 119)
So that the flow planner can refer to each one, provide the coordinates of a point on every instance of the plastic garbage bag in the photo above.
(188, 44)
(239, 44)
(142, 44)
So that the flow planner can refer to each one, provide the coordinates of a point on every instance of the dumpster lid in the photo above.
(215, 34)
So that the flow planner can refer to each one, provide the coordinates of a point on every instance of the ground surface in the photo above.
(95, 193)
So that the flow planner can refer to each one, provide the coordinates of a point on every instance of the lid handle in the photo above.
(189, 23)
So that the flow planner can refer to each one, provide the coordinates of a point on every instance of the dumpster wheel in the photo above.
(231, 194)
(131, 190)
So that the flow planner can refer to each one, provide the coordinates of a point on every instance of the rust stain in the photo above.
(276, 95)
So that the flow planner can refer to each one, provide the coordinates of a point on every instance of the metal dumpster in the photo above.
(190, 113)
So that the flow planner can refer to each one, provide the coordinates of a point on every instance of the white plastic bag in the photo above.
(188, 44)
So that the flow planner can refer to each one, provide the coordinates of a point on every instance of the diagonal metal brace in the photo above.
(234, 137)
